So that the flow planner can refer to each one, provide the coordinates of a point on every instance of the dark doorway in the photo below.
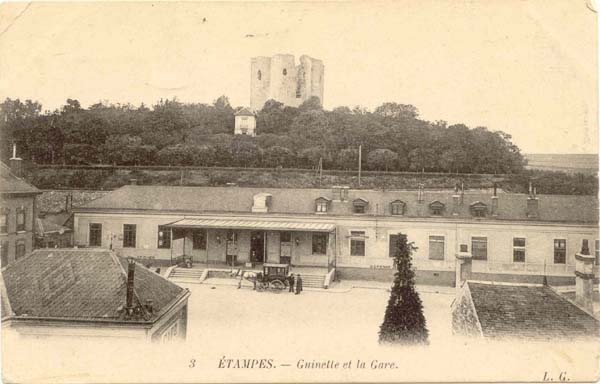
(257, 247)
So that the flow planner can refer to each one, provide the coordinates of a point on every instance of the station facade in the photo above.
(511, 237)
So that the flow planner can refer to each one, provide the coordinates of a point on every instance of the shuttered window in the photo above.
(479, 248)
(436, 247)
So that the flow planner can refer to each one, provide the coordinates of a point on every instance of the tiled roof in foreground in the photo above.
(532, 312)
(84, 284)
(552, 208)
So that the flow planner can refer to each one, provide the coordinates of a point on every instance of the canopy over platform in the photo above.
(253, 224)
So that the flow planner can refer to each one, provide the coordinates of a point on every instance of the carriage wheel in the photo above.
(260, 286)
(276, 286)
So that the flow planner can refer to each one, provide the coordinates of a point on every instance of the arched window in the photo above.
(284, 72)
(259, 74)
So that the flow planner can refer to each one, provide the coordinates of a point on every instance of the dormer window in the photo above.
(478, 209)
(322, 205)
(262, 202)
(360, 206)
(437, 208)
(397, 207)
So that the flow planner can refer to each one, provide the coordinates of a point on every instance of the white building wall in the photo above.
(245, 125)
(539, 241)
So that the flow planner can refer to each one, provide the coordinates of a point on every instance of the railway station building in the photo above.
(510, 237)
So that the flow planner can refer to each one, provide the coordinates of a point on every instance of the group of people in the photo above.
(295, 283)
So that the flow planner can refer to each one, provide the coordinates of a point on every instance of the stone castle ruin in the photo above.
(279, 78)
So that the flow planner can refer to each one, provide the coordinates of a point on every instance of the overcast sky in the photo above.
(528, 68)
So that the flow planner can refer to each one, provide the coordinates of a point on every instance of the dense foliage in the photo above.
(404, 322)
(393, 138)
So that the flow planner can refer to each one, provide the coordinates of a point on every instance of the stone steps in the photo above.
(186, 275)
(312, 281)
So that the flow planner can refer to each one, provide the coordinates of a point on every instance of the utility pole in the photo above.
(320, 170)
(359, 162)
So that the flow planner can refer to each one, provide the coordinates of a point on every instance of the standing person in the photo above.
(298, 284)
(290, 280)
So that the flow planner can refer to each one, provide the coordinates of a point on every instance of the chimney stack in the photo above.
(455, 204)
(16, 163)
(495, 201)
(532, 203)
(463, 266)
(130, 276)
(420, 197)
(584, 277)
(69, 202)
(149, 306)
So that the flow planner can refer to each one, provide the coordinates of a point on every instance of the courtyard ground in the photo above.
(229, 328)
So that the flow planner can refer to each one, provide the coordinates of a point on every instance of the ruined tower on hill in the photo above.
(279, 78)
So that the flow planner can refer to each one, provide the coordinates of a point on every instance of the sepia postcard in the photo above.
(299, 191)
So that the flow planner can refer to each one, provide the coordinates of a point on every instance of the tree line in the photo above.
(392, 137)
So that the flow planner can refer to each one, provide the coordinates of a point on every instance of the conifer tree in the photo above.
(404, 322)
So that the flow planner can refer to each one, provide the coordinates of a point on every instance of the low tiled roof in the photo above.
(244, 112)
(552, 208)
(55, 201)
(81, 284)
(50, 224)
(535, 312)
(10, 183)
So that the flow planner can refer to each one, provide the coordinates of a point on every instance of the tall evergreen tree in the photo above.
(404, 322)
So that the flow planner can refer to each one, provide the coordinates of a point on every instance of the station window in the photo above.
(357, 243)
(597, 250)
(560, 251)
(321, 205)
(20, 219)
(164, 237)
(519, 249)
(436, 247)
(285, 237)
(95, 238)
(397, 208)
(319, 243)
(437, 208)
(284, 71)
(359, 206)
(129, 235)
(259, 75)
(199, 239)
(4, 222)
(479, 248)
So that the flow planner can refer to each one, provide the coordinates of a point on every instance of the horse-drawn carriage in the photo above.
(274, 277)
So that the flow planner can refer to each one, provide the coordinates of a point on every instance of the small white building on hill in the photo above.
(245, 122)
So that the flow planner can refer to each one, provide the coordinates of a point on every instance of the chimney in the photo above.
(69, 202)
(532, 203)
(463, 266)
(149, 307)
(584, 277)
(337, 193)
(16, 163)
(130, 275)
(455, 204)
(495, 201)
(420, 194)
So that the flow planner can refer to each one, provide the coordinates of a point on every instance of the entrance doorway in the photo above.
(257, 246)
